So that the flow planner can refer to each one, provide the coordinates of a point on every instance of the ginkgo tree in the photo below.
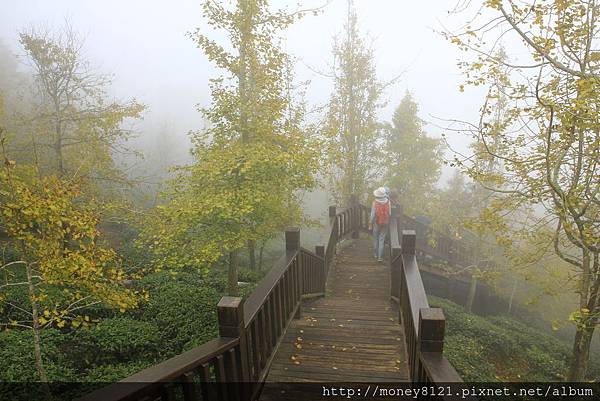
(254, 157)
(548, 138)
(59, 263)
(413, 159)
(73, 126)
(350, 126)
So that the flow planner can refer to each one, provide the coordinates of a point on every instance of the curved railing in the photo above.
(234, 366)
(424, 327)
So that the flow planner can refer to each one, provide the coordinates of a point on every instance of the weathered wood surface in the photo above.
(352, 334)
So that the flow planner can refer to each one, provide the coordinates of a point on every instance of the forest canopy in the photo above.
(120, 231)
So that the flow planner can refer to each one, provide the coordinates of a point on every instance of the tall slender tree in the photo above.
(254, 156)
(77, 128)
(413, 159)
(548, 140)
(350, 126)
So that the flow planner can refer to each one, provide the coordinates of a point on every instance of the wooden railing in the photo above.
(234, 366)
(424, 327)
(439, 246)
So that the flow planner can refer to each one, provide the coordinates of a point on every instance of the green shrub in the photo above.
(182, 308)
(17, 361)
(500, 348)
(114, 373)
(115, 341)
(251, 276)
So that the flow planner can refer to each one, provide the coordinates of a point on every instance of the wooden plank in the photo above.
(352, 334)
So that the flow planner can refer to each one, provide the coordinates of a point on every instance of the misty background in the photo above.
(145, 45)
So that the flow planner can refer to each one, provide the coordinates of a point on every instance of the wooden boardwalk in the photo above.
(351, 335)
(280, 345)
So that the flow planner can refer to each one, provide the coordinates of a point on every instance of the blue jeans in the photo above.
(379, 233)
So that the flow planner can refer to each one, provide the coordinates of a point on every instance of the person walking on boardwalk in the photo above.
(381, 210)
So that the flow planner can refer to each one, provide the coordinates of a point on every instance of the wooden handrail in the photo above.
(177, 369)
(259, 295)
(423, 326)
(250, 332)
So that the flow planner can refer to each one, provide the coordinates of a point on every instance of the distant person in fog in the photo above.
(381, 210)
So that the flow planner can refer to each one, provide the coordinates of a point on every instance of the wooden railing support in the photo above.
(230, 312)
(409, 241)
(292, 239)
(292, 243)
(355, 215)
(432, 323)
(395, 260)
(320, 251)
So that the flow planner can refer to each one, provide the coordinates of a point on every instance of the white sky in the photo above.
(144, 44)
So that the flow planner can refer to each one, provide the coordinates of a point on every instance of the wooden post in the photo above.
(332, 214)
(395, 272)
(292, 243)
(292, 239)
(230, 311)
(409, 242)
(432, 325)
(320, 251)
(354, 215)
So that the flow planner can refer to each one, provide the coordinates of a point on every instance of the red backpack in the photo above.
(382, 213)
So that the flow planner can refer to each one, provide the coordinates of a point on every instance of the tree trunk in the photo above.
(251, 255)
(581, 354)
(232, 282)
(260, 255)
(36, 329)
(512, 296)
(472, 292)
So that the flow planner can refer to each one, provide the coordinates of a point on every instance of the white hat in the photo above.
(379, 192)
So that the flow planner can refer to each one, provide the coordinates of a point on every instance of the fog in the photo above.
(144, 44)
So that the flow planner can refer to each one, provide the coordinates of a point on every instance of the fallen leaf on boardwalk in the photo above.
(332, 320)
(301, 331)
(387, 308)
(392, 319)
(333, 346)
(293, 358)
(344, 349)
(334, 368)
(299, 339)
(296, 363)
(321, 346)
(398, 338)
(353, 347)
(340, 325)
(298, 346)
(349, 320)
(285, 368)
